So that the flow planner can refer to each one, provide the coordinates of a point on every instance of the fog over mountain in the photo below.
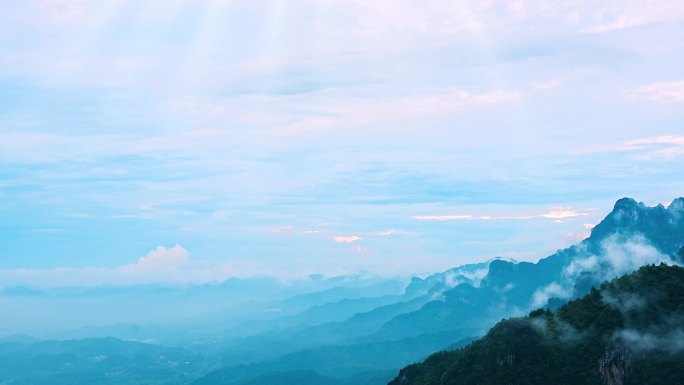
(341, 330)
(629, 331)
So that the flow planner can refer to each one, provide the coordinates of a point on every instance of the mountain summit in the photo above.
(663, 227)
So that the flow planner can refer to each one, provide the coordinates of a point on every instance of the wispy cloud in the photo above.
(646, 148)
(445, 217)
(665, 146)
(392, 232)
(359, 249)
(555, 213)
(288, 229)
(133, 216)
(346, 239)
(664, 92)
(311, 232)
(546, 86)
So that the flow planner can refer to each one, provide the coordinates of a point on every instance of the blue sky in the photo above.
(236, 138)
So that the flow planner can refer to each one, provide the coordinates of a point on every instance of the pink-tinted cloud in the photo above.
(359, 249)
(346, 239)
(392, 232)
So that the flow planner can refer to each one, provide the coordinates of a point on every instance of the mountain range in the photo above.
(348, 330)
(463, 303)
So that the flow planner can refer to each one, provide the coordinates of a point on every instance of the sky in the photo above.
(192, 141)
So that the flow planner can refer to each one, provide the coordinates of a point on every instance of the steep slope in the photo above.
(630, 331)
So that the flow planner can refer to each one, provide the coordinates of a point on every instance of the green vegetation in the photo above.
(629, 331)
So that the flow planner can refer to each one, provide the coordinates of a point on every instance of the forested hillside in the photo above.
(629, 331)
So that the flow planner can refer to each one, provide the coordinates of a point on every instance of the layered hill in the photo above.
(346, 331)
(438, 311)
(629, 331)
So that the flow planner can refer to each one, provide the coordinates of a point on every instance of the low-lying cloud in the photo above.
(161, 265)
(619, 255)
(670, 340)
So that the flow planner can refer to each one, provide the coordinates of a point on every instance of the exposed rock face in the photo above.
(615, 364)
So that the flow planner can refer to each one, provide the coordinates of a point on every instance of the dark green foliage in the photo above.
(539, 313)
(628, 326)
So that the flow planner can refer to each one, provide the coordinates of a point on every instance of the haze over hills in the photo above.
(459, 306)
(347, 330)
(629, 331)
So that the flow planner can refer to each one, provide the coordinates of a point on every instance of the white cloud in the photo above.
(133, 216)
(442, 19)
(546, 86)
(664, 146)
(367, 107)
(358, 249)
(281, 230)
(346, 239)
(443, 217)
(618, 256)
(615, 14)
(578, 236)
(663, 92)
(162, 257)
(161, 265)
(311, 232)
(542, 296)
(563, 213)
(555, 213)
(669, 338)
(392, 232)
(646, 148)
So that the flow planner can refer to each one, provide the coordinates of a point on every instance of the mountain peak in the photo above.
(676, 205)
(662, 226)
(626, 203)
